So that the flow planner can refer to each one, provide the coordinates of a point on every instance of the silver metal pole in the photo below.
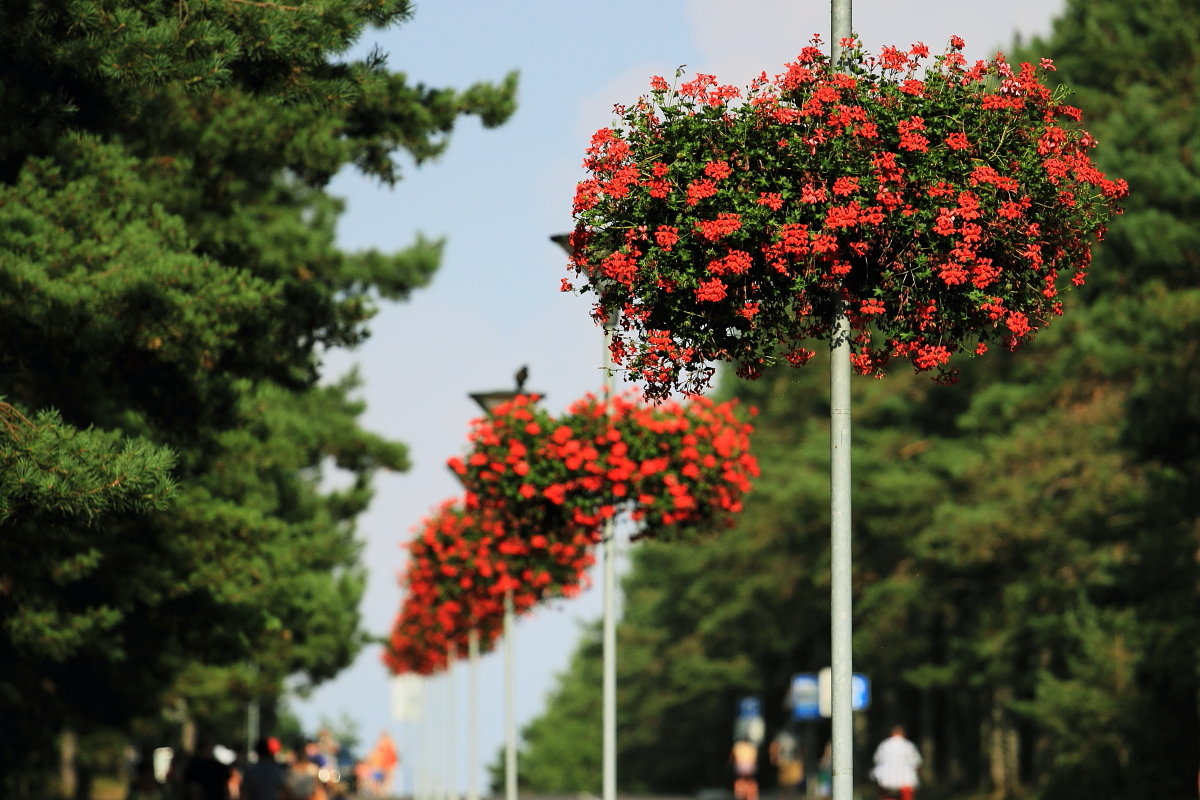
(841, 599)
(610, 663)
(252, 723)
(472, 714)
(252, 712)
(609, 786)
(510, 721)
(839, 451)
(421, 777)
(451, 724)
(437, 753)
(609, 592)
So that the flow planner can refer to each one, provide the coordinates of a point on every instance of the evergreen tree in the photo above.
(169, 283)
(1137, 69)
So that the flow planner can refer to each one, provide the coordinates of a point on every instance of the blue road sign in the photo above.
(749, 707)
(805, 696)
(860, 691)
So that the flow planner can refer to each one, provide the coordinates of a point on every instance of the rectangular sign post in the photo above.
(406, 698)
(750, 726)
(860, 692)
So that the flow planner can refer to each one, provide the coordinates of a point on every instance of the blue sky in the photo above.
(496, 196)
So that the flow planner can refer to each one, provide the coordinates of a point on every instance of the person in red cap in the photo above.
(264, 777)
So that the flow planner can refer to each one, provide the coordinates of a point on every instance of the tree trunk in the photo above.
(929, 753)
(83, 782)
(955, 736)
(68, 752)
(1003, 744)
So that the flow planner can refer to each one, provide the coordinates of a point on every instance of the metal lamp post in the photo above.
(839, 450)
(489, 402)
(609, 591)
(472, 715)
(452, 717)
(252, 711)
(608, 588)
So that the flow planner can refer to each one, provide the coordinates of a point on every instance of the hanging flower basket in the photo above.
(670, 466)
(694, 464)
(947, 205)
(461, 564)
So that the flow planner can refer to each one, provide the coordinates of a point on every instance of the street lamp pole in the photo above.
(489, 401)
(609, 785)
(452, 718)
(472, 714)
(608, 587)
(252, 711)
(510, 721)
(421, 776)
(841, 598)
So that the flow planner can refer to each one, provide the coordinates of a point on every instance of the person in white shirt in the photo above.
(896, 764)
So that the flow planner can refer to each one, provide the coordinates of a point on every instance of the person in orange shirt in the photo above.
(385, 758)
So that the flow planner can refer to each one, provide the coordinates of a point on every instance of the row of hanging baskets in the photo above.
(942, 206)
(945, 204)
(539, 489)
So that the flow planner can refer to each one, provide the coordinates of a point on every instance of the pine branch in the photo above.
(259, 4)
(14, 421)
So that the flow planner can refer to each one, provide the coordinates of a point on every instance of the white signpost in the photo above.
(406, 698)
(860, 692)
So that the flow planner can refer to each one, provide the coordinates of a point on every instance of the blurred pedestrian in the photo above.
(237, 773)
(825, 772)
(145, 785)
(204, 777)
(384, 759)
(784, 753)
(364, 778)
(328, 744)
(301, 781)
(264, 777)
(745, 770)
(313, 751)
(896, 764)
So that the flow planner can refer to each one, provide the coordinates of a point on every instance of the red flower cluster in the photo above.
(461, 563)
(944, 205)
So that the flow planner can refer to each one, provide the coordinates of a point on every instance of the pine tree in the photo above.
(169, 282)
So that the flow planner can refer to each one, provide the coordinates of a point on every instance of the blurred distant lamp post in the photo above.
(252, 710)
(472, 716)
(452, 721)
(489, 402)
(609, 583)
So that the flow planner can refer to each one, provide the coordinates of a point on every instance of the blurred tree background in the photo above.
(169, 285)
(1027, 543)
